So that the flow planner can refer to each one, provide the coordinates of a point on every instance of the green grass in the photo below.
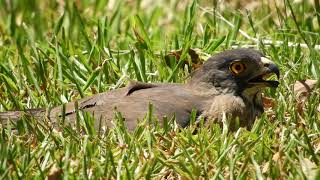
(53, 52)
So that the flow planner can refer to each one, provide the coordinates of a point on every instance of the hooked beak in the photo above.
(269, 69)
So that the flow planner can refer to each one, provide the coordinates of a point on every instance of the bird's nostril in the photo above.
(266, 65)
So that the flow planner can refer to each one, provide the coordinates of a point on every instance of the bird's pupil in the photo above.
(238, 67)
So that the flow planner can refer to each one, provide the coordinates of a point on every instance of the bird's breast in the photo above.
(234, 107)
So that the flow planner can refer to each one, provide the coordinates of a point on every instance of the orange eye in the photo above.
(237, 67)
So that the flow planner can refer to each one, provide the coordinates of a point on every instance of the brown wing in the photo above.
(133, 102)
(91, 104)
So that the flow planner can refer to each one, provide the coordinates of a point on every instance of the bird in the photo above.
(229, 84)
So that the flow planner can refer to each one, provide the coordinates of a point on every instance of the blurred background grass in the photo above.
(52, 52)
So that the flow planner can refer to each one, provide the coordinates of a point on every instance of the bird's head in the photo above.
(241, 71)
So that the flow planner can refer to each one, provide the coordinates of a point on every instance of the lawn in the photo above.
(53, 52)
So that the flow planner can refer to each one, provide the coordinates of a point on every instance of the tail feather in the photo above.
(14, 116)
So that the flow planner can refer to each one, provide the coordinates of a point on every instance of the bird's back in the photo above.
(133, 103)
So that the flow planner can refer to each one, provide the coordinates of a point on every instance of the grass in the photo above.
(52, 52)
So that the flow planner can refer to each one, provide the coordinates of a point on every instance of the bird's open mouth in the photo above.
(265, 80)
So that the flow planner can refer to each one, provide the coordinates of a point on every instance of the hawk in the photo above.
(229, 84)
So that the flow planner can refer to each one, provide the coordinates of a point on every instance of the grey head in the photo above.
(237, 71)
